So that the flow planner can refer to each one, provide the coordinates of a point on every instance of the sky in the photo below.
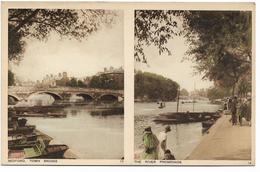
(104, 48)
(78, 59)
(173, 66)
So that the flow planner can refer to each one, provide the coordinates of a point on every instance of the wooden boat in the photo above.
(14, 145)
(51, 152)
(54, 151)
(22, 145)
(36, 109)
(16, 154)
(185, 117)
(207, 124)
(166, 121)
(21, 130)
(39, 150)
(45, 115)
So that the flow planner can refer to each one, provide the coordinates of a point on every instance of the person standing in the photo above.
(248, 114)
(234, 110)
(151, 143)
(162, 141)
(242, 111)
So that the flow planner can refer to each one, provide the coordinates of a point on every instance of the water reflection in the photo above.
(98, 136)
(88, 136)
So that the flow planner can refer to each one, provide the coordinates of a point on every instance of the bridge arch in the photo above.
(16, 98)
(108, 97)
(87, 97)
(12, 99)
(53, 94)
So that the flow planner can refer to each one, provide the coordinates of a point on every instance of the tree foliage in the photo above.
(115, 82)
(154, 27)
(39, 23)
(154, 87)
(74, 82)
(244, 86)
(218, 93)
(184, 92)
(219, 41)
(11, 80)
(220, 44)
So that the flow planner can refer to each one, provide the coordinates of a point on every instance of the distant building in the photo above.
(62, 79)
(49, 81)
(87, 80)
(111, 70)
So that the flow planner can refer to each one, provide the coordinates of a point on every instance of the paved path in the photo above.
(224, 142)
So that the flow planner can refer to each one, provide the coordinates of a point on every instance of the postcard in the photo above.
(128, 83)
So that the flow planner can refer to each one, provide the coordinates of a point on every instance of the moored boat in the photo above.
(185, 117)
(22, 143)
(21, 130)
(207, 124)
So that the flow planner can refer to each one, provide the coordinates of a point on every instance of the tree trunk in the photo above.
(233, 89)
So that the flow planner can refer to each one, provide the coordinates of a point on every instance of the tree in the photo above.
(244, 86)
(11, 80)
(72, 82)
(184, 92)
(39, 23)
(220, 41)
(154, 87)
(154, 27)
(218, 93)
(81, 84)
(220, 44)
(107, 81)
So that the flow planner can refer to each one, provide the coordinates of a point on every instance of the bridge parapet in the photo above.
(68, 89)
(24, 92)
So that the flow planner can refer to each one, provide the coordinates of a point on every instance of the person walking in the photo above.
(151, 143)
(163, 140)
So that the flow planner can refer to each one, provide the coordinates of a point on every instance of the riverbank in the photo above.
(224, 142)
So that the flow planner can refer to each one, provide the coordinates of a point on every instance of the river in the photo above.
(183, 138)
(88, 136)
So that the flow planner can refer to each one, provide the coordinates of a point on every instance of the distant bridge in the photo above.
(64, 93)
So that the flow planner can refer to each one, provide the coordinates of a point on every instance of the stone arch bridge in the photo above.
(64, 93)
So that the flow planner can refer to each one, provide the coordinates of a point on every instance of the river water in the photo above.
(88, 136)
(183, 138)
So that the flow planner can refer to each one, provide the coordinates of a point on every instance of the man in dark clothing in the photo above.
(168, 155)
(234, 110)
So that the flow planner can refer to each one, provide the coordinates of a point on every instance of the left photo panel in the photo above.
(65, 84)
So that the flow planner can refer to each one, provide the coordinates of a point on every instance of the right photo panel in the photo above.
(193, 84)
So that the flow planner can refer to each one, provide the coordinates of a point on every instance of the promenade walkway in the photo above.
(224, 142)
